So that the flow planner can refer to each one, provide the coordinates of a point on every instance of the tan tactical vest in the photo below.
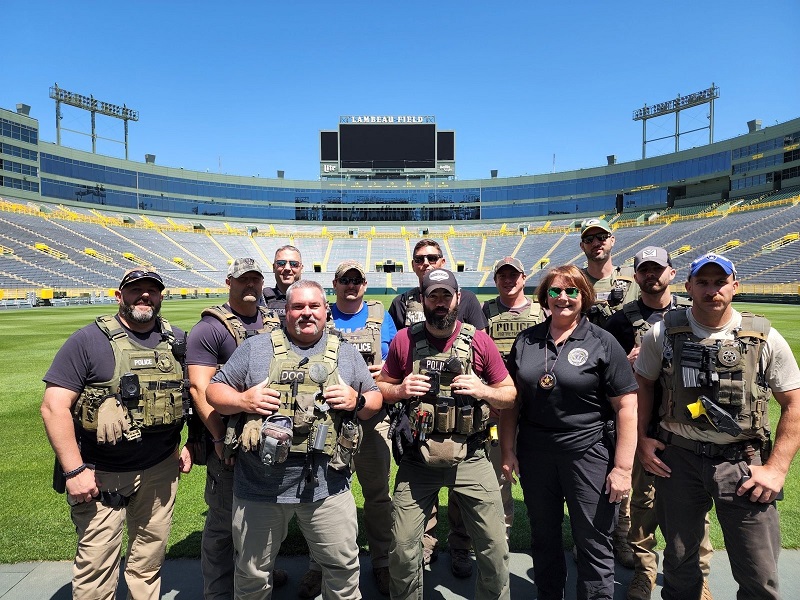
(450, 414)
(367, 340)
(301, 381)
(732, 375)
(161, 383)
(621, 278)
(415, 311)
(235, 326)
(504, 325)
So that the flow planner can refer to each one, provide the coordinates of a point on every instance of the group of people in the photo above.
(657, 411)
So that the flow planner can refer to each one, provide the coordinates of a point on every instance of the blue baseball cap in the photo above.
(711, 258)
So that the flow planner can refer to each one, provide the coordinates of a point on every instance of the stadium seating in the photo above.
(755, 232)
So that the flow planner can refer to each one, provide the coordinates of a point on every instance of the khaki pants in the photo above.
(496, 456)
(329, 527)
(148, 517)
(644, 522)
(216, 550)
(474, 486)
(372, 465)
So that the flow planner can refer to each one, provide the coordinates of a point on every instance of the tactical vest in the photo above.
(367, 340)
(415, 311)
(276, 307)
(449, 413)
(731, 373)
(158, 400)
(234, 324)
(622, 278)
(301, 382)
(505, 325)
(641, 325)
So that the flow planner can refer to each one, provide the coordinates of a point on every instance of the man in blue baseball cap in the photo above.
(719, 370)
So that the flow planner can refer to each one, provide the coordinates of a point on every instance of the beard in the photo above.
(145, 314)
(440, 322)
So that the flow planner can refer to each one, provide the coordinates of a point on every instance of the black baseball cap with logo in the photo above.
(439, 279)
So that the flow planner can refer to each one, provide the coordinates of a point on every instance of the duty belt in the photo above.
(732, 452)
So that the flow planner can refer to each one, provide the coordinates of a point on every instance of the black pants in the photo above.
(549, 478)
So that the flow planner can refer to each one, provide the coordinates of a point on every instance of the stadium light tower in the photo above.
(676, 106)
(94, 106)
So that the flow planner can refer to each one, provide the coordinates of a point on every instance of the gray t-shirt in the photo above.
(286, 483)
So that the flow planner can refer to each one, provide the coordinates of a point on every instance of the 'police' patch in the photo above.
(431, 364)
(577, 356)
(143, 362)
(363, 347)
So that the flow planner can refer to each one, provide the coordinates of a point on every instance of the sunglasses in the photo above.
(138, 274)
(601, 237)
(295, 264)
(350, 280)
(571, 292)
(431, 258)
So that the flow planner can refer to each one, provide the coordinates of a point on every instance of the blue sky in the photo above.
(244, 87)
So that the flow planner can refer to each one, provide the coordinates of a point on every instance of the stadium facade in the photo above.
(756, 162)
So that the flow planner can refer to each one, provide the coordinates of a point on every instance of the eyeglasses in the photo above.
(351, 280)
(571, 292)
(139, 274)
(431, 258)
(295, 264)
(601, 237)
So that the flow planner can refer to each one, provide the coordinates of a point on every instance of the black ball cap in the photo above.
(137, 274)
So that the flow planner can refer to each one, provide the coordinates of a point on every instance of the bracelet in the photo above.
(77, 471)
(218, 441)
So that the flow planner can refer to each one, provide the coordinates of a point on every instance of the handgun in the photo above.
(716, 415)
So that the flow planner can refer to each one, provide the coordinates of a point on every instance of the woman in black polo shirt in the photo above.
(576, 413)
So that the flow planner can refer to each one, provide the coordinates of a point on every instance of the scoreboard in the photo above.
(387, 147)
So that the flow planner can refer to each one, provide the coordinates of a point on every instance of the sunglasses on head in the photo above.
(351, 280)
(431, 258)
(601, 237)
(571, 292)
(295, 264)
(139, 274)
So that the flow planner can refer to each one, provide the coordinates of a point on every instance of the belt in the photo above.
(732, 452)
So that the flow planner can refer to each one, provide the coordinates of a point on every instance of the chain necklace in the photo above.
(548, 380)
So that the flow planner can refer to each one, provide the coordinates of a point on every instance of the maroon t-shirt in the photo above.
(87, 358)
(486, 360)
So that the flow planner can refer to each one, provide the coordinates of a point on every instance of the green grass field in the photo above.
(34, 520)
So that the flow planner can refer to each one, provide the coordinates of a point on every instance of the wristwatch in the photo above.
(361, 402)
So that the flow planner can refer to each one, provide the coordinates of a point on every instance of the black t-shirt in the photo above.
(620, 326)
(87, 358)
(591, 368)
(469, 309)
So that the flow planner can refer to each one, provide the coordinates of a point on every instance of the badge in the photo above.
(728, 356)
(547, 381)
(577, 357)
(318, 372)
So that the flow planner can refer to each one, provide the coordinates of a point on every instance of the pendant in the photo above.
(547, 381)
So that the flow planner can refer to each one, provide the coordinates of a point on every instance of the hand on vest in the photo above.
(340, 397)
(251, 433)
(468, 385)
(111, 422)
